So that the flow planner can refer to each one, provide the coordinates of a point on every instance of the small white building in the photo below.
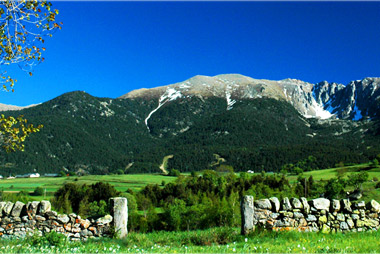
(34, 175)
(29, 175)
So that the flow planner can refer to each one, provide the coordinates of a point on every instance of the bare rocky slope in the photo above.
(356, 101)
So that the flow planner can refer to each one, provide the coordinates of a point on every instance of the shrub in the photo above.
(39, 191)
(174, 172)
(98, 209)
(78, 197)
(52, 238)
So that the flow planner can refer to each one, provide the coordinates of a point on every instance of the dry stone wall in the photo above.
(315, 215)
(19, 220)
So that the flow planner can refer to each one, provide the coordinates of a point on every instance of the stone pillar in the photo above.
(119, 210)
(247, 213)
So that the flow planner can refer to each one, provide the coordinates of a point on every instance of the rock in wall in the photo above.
(19, 220)
(314, 215)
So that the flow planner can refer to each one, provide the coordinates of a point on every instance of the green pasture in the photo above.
(51, 184)
(138, 181)
(214, 240)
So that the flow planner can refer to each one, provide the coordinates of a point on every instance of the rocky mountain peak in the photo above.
(5, 107)
(358, 100)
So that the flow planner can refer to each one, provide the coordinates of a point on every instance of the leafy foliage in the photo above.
(85, 200)
(23, 26)
(14, 131)
(199, 202)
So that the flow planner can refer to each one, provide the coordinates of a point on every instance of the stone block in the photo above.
(322, 219)
(344, 226)
(17, 209)
(44, 207)
(247, 213)
(2, 205)
(335, 206)
(40, 218)
(371, 223)
(32, 207)
(340, 217)
(286, 206)
(119, 210)
(350, 223)
(63, 218)
(360, 204)
(85, 223)
(305, 205)
(296, 203)
(374, 206)
(8, 208)
(104, 220)
(263, 204)
(274, 215)
(311, 218)
(321, 204)
(275, 204)
(325, 229)
(360, 223)
(346, 204)
(298, 215)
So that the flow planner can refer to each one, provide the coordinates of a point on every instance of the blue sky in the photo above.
(110, 48)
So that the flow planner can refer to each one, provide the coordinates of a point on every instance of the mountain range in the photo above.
(250, 124)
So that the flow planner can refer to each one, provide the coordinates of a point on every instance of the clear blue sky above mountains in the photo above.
(110, 48)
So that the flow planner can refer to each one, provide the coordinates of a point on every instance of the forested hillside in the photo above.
(101, 135)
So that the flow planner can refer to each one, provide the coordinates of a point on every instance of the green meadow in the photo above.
(137, 181)
(51, 184)
(215, 240)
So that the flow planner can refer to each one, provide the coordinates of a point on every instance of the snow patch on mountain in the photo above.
(319, 108)
(319, 111)
(230, 102)
(170, 94)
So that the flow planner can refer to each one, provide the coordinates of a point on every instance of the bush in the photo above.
(78, 197)
(98, 209)
(52, 238)
(39, 191)
(174, 172)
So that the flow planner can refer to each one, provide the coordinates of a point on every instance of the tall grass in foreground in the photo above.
(215, 240)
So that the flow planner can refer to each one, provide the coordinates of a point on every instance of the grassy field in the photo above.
(370, 192)
(138, 181)
(51, 184)
(215, 240)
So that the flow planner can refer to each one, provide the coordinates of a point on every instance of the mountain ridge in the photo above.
(321, 100)
(249, 130)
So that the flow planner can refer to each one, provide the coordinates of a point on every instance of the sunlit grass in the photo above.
(51, 184)
(216, 240)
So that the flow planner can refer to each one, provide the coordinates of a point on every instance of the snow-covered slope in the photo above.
(358, 100)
